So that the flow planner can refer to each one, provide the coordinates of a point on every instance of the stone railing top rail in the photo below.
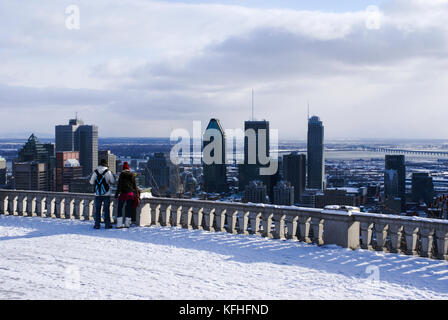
(275, 209)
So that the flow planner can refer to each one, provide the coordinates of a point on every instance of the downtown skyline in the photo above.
(161, 71)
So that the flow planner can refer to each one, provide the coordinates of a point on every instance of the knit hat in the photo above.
(103, 162)
(126, 166)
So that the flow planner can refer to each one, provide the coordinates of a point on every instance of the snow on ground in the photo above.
(67, 259)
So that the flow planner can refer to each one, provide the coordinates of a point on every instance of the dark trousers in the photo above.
(105, 201)
(128, 208)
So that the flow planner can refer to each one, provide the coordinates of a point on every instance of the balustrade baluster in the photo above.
(231, 216)
(279, 222)
(304, 226)
(442, 244)
(395, 237)
(366, 235)
(243, 222)
(255, 220)
(197, 218)
(267, 225)
(166, 213)
(318, 229)
(187, 215)
(427, 236)
(411, 234)
(220, 220)
(209, 216)
(381, 235)
(292, 227)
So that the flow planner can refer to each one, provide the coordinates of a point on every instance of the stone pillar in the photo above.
(77, 208)
(209, 216)
(177, 217)
(89, 206)
(279, 222)
(267, 225)
(21, 205)
(68, 208)
(318, 230)
(144, 214)
(255, 220)
(292, 227)
(156, 210)
(243, 222)
(114, 211)
(165, 211)
(197, 218)
(14, 203)
(304, 226)
(381, 234)
(51, 208)
(60, 204)
(220, 220)
(427, 236)
(231, 216)
(187, 215)
(40, 206)
(31, 206)
(395, 237)
(411, 234)
(442, 244)
(366, 235)
(4, 204)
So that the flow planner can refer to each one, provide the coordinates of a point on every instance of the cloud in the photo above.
(145, 61)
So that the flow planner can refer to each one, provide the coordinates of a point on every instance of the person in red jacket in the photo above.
(126, 192)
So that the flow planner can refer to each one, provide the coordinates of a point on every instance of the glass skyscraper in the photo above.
(315, 154)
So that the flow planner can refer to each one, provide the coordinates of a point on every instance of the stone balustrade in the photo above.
(387, 233)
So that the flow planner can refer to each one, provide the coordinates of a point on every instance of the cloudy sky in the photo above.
(143, 68)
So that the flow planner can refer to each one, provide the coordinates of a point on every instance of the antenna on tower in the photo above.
(308, 110)
(252, 104)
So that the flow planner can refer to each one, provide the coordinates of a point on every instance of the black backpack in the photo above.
(101, 186)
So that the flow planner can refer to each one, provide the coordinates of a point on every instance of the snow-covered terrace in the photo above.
(173, 255)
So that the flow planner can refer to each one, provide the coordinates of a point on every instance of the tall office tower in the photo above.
(315, 154)
(250, 169)
(395, 179)
(162, 175)
(76, 136)
(65, 135)
(34, 151)
(422, 187)
(294, 171)
(110, 158)
(284, 193)
(3, 170)
(255, 192)
(30, 175)
(215, 174)
(86, 142)
(67, 169)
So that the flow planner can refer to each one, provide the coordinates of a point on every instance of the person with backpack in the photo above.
(127, 192)
(102, 178)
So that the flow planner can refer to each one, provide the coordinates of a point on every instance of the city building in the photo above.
(354, 197)
(30, 175)
(163, 176)
(255, 192)
(3, 172)
(110, 158)
(284, 193)
(294, 171)
(67, 168)
(395, 180)
(81, 185)
(215, 175)
(254, 157)
(76, 136)
(315, 154)
(422, 187)
(34, 151)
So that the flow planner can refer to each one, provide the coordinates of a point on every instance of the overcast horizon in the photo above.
(138, 68)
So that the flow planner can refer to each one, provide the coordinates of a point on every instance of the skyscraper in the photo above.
(34, 151)
(395, 179)
(162, 175)
(3, 175)
(30, 175)
(250, 169)
(79, 137)
(215, 175)
(315, 154)
(294, 171)
(67, 169)
(422, 187)
(284, 193)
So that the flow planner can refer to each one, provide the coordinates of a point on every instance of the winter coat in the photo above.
(126, 183)
(109, 178)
